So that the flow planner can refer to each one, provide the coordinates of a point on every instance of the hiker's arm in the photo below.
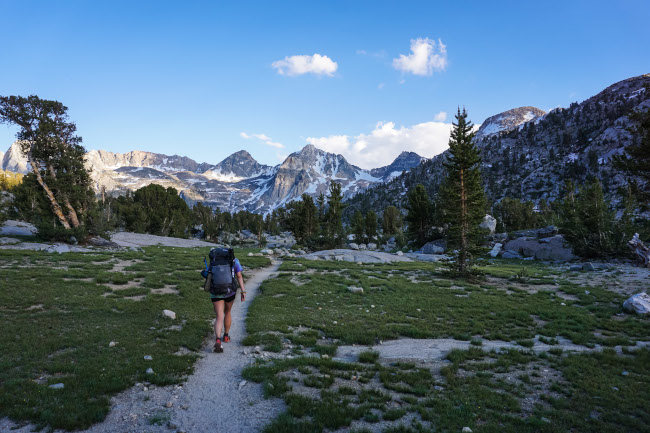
(240, 279)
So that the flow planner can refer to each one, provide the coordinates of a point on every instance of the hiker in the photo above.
(222, 277)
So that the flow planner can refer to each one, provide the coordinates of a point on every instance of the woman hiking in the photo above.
(223, 300)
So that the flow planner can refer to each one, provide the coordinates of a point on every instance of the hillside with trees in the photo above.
(531, 162)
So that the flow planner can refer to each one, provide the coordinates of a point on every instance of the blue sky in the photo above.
(195, 78)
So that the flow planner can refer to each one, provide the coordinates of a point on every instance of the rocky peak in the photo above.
(104, 160)
(508, 120)
(404, 162)
(240, 165)
(14, 160)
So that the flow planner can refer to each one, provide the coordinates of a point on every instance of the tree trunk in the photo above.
(72, 214)
(463, 223)
(56, 208)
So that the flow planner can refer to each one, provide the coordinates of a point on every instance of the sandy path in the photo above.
(211, 400)
(216, 401)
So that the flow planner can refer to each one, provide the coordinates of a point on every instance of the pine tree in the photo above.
(462, 195)
(391, 221)
(586, 220)
(334, 214)
(321, 206)
(420, 215)
(162, 210)
(309, 217)
(358, 226)
(514, 214)
(55, 156)
(626, 226)
(371, 225)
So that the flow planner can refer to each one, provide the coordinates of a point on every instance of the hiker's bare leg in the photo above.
(227, 317)
(218, 324)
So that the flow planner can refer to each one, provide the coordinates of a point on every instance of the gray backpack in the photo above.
(220, 278)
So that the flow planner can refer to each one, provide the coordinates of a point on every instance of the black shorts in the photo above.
(228, 299)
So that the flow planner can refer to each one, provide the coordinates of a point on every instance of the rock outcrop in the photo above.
(639, 304)
(343, 255)
(553, 249)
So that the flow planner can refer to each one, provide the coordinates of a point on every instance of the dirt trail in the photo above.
(216, 397)
(212, 399)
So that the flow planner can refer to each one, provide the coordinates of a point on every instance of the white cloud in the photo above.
(262, 137)
(381, 86)
(299, 65)
(384, 143)
(426, 57)
(440, 117)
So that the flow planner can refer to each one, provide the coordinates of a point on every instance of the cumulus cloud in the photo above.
(262, 137)
(440, 117)
(385, 142)
(427, 56)
(299, 65)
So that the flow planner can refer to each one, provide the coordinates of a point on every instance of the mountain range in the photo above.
(238, 182)
(527, 153)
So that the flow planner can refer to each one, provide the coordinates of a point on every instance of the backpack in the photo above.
(219, 275)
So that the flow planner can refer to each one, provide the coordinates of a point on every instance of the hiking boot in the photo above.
(217, 346)
(226, 338)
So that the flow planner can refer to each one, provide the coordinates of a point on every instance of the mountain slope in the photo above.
(14, 160)
(532, 155)
(238, 182)
(508, 120)
(404, 162)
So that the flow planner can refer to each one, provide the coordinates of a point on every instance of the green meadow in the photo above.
(60, 313)
(307, 312)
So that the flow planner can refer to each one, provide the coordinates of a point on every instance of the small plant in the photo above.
(159, 417)
(369, 356)
(526, 343)
(371, 417)
(476, 342)
(545, 340)
(393, 414)
(523, 276)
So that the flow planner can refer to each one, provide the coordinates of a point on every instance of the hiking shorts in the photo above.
(228, 299)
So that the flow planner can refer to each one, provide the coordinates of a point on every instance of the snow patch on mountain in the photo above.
(238, 182)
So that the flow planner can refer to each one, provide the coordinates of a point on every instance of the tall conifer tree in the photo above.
(358, 226)
(462, 194)
(371, 225)
(334, 215)
(420, 214)
(391, 221)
